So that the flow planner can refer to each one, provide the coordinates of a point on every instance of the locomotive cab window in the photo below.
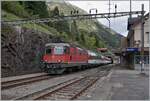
(48, 51)
(66, 50)
(58, 50)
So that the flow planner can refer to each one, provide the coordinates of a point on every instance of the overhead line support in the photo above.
(71, 17)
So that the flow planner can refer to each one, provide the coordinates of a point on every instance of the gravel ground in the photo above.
(98, 91)
(22, 77)
(37, 86)
(23, 90)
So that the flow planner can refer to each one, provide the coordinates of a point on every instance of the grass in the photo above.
(11, 17)
(87, 25)
(37, 27)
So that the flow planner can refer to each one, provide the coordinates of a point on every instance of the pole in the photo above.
(130, 9)
(108, 22)
(142, 38)
(115, 8)
(109, 6)
(109, 14)
(130, 14)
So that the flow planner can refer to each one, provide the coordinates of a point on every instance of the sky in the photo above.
(117, 24)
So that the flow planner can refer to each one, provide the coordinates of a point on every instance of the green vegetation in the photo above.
(34, 8)
(42, 28)
(86, 33)
(15, 8)
(37, 27)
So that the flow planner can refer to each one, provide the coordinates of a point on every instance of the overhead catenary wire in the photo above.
(71, 17)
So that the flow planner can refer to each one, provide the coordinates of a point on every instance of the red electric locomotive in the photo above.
(60, 57)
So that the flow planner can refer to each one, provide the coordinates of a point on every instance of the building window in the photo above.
(147, 35)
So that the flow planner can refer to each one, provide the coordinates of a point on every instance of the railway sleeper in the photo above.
(68, 90)
(73, 88)
(77, 88)
(73, 92)
(65, 94)
(59, 96)
(49, 98)
(69, 94)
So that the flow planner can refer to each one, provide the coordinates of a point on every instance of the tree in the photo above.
(82, 37)
(36, 8)
(97, 42)
(15, 8)
(55, 12)
(61, 26)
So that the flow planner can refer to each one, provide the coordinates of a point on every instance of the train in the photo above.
(61, 57)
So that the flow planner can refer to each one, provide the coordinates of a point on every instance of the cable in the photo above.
(71, 17)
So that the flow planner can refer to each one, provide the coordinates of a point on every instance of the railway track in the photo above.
(69, 90)
(23, 81)
(18, 82)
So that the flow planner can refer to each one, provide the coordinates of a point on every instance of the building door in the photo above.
(137, 60)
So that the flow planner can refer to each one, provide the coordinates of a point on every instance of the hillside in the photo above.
(88, 29)
(22, 45)
(109, 38)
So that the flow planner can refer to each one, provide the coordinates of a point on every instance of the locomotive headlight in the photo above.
(45, 60)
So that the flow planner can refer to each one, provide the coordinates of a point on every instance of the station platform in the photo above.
(120, 84)
(6, 79)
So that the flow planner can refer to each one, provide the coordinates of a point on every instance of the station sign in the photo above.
(132, 49)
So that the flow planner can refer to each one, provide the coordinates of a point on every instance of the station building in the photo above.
(131, 45)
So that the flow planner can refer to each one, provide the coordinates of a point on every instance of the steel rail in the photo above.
(73, 90)
(70, 89)
(14, 83)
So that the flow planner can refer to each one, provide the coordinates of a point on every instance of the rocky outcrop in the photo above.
(22, 50)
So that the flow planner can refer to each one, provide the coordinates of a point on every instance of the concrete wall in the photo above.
(146, 36)
(123, 42)
(137, 33)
